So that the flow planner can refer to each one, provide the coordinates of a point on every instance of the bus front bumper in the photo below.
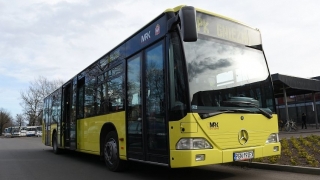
(190, 158)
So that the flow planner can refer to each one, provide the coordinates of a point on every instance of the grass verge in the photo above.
(302, 151)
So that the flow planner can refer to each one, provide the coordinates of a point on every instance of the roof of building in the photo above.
(294, 85)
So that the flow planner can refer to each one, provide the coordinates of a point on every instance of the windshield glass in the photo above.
(227, 76)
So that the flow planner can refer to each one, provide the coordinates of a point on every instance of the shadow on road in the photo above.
(138, 170)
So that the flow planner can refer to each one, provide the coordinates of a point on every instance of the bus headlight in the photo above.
(273, 138)
(193, 143)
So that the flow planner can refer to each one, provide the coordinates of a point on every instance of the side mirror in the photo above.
(187, 19)
(188, 22)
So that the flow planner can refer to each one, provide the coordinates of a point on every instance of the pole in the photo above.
(286, 103)
(315, 110)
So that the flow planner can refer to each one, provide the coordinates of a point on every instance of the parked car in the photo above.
(31, 131)
(8, 132)
(39, 133)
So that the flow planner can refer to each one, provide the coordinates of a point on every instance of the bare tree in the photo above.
(32, 98)
(5, 119)
(19, 120)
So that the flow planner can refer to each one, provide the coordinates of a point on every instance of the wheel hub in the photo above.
(110, 151)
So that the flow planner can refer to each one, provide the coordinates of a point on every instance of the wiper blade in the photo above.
(250, 104)
(265, 113)
(207, 115)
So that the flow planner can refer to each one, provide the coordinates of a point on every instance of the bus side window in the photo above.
(80, 98)
(134, 88)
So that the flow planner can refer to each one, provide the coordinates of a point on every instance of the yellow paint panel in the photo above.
(89, 129)
(189, 127)
(186, 158)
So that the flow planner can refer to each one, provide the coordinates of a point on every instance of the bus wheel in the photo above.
(55, 148)
(111, 153)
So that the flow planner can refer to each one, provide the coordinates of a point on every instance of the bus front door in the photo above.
(146, 122)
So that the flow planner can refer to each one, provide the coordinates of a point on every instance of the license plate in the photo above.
(241, 156)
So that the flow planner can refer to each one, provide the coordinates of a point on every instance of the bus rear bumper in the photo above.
(190, 158)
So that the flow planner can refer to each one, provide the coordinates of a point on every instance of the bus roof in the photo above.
(176, 9)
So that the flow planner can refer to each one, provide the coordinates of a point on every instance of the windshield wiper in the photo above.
(250, 104)
(207, 115)
(265, 113)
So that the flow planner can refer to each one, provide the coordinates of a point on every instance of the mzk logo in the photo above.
(214, 125)
(145, 37)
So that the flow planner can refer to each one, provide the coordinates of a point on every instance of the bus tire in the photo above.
(111, 153)
(55, 148)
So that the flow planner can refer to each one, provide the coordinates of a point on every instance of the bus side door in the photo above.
(146, 117)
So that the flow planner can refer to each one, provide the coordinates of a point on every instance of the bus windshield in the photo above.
(227, 77)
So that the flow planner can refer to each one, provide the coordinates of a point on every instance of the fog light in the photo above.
(275, 148)
(200, 157)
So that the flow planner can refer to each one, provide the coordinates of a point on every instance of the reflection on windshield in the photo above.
(219, 71)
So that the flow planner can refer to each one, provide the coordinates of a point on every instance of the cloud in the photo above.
(63, 34)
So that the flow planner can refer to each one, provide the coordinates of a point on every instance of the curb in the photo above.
(277, 167)
(300, 131)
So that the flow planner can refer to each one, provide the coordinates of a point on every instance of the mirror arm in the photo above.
(172, 22)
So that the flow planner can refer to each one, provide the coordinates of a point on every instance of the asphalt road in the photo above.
(28, 159)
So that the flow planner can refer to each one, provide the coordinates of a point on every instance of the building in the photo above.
(295, 95)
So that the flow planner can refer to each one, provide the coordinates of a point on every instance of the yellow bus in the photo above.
(190, 88)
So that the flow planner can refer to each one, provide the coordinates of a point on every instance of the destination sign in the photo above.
(227, 30)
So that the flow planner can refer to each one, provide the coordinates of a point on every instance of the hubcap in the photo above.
(110, 151)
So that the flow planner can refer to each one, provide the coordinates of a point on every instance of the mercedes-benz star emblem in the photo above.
(243, 137)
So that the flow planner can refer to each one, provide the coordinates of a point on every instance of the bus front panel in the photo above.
(222, 138)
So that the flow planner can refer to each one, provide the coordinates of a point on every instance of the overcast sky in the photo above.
(57, 39)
